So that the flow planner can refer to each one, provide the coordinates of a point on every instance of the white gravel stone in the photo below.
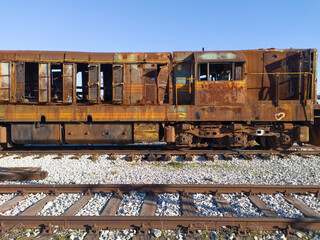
(131, 204)
(24, 204)
(95, 205)
(168, 205)
(242, 205)
(205, 205)
(65, 170)
(59, 205)
(117, 234)
(279, 205)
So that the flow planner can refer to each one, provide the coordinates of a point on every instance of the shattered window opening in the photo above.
(219, 71)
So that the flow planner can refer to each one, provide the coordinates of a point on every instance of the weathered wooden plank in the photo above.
(258, 203)
(37, 207)
(187, 205)
(76, 207)
(149, 206)
(224, 206)
(12, 202)
(297, 203)
(112, 206)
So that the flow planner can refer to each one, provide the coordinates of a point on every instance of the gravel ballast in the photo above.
(69, 169)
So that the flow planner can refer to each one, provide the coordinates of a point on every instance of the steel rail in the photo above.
(157, 151)
(160, 188)
(139, 222)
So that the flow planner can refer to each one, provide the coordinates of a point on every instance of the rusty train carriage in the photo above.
(188, 99)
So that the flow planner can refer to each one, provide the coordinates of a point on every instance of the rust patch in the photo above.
(221, 93)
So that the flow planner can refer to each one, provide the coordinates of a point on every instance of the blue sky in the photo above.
(147, 25)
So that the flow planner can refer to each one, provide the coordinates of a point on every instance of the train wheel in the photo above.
(282, 142)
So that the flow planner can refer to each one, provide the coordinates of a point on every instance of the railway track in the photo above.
(189, 220)
(154, 153)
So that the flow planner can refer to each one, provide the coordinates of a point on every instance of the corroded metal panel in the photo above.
(8, 55)
(163, 85)
(51, 56)
(24, 133)
(157, 57)
(221, 92)
(135, 84)
(44, 82)
(69, 83)
(98, 133)
(117, 84)
(3, 135)
(150, 81)
(102, 57)
(220, 56)
(277, 86)
(94, 83)
(5, 79)
(182, 56)
(76, 57)
(161, 113)
(129, 57)
(20, 81)
(146, 132)
(27, 56)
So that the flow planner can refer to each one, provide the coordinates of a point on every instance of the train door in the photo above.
(94, 83)
(5, 81)
(44, 83)
(136, 84)
(117, 84)
(184, 82)
(69, 82)
(150, 83)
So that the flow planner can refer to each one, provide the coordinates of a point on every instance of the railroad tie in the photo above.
(113, 156)
(75, 208)
(149, 205)
(91, 236)
(297, 203)
(188, 157)
(209, 157)
(247, 157)
(226, 157)
(187, 205)
(12, 202)
(112, 206)
(152, 158)
(130, 157)
(224, 206)
(37, 207)
(167, 157)
(258, 203)
(265, 156)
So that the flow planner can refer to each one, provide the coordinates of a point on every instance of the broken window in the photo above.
(31, 81)
(106, 83)
(220, 71)
(203, 72)
(56, 83)
(82, 82)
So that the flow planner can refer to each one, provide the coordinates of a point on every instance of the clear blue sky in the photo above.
(141, 26)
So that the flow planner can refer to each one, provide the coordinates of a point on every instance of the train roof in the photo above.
(132, 57)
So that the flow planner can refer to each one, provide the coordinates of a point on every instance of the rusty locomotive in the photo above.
(186, 99)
